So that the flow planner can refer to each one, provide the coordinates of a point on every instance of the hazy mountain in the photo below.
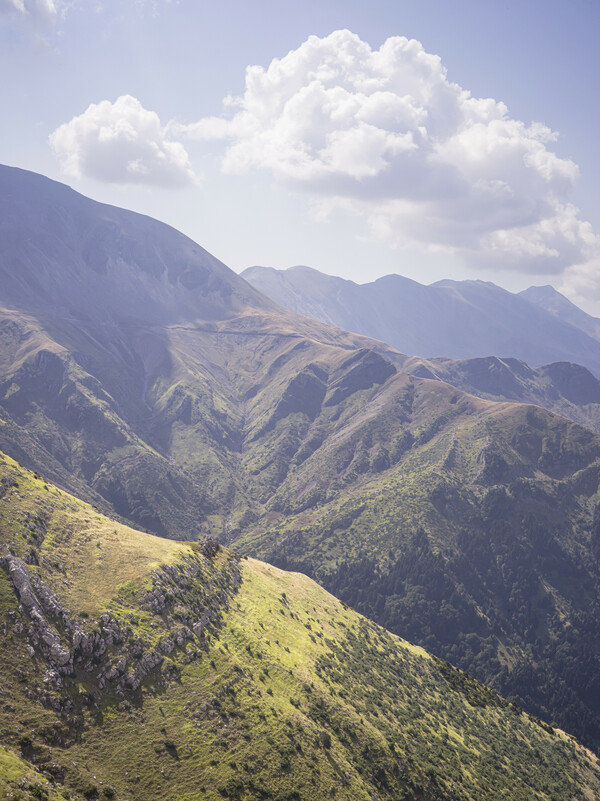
(64, 255)
(456, 319)
(468, 523)
(137, 668)
(130, 358)
(561, 387)
(546, 297)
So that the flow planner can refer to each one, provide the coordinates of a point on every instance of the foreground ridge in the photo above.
(138, 668)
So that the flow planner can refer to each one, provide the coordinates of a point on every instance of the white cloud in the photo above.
(385, 134)
(123, 143)
(33, 11)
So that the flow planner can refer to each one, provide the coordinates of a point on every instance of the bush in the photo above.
(325, 739)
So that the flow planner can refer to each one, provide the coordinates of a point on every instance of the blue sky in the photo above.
(355, 164)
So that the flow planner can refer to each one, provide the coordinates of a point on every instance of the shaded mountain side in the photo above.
(562, 387)
(455, 319)
(171, 427)
(131, 360)
(141, 668)
(475, 533)
(64, 254)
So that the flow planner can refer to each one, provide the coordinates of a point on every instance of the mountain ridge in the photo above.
(185, 671)
(453, 319)
(548, 298)
(567, 389)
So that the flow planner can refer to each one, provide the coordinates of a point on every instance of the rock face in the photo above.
(181, 605)
(37, 601)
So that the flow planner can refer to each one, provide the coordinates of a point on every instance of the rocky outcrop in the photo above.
(36, 600)
(183, 603)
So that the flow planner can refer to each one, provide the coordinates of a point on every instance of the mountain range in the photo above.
(141, 375)
(453, 319)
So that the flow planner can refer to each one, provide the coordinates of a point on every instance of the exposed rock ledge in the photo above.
(112, 653)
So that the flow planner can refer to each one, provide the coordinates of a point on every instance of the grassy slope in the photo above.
(480, 543)
(151, 422)
(294, 696)
(20, 780)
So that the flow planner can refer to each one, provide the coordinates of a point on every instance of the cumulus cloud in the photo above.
(385, 134)
(123, 143)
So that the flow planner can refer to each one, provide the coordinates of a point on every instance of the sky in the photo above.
(426, 138)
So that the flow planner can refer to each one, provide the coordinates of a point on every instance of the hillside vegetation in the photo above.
(480, 543)
(137, 668)
(561, 387)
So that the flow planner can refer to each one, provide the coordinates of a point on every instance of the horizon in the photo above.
(364, 282)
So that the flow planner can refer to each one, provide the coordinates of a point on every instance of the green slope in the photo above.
(20, 780)
(283, 693)
(480, 543)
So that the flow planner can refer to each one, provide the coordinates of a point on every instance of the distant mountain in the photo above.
(561, 387)
(144, 669)
(456, 319)
(65, 256)
(546, 297)
(131, 359)
(179, 398)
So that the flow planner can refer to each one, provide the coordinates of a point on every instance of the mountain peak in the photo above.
(62, 251)
(449, 318)
(551, 300)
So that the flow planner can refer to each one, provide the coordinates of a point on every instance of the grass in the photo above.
(219, 436)
(20, 781)
(288, 695)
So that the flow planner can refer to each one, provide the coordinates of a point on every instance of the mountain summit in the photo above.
(546, 297)
(64, 254)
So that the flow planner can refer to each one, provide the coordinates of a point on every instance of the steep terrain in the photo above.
(471, 525)
(137, 668)
(456, 319)
(70, 258)
(561, 387)
(133, 365)
(547, 298)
